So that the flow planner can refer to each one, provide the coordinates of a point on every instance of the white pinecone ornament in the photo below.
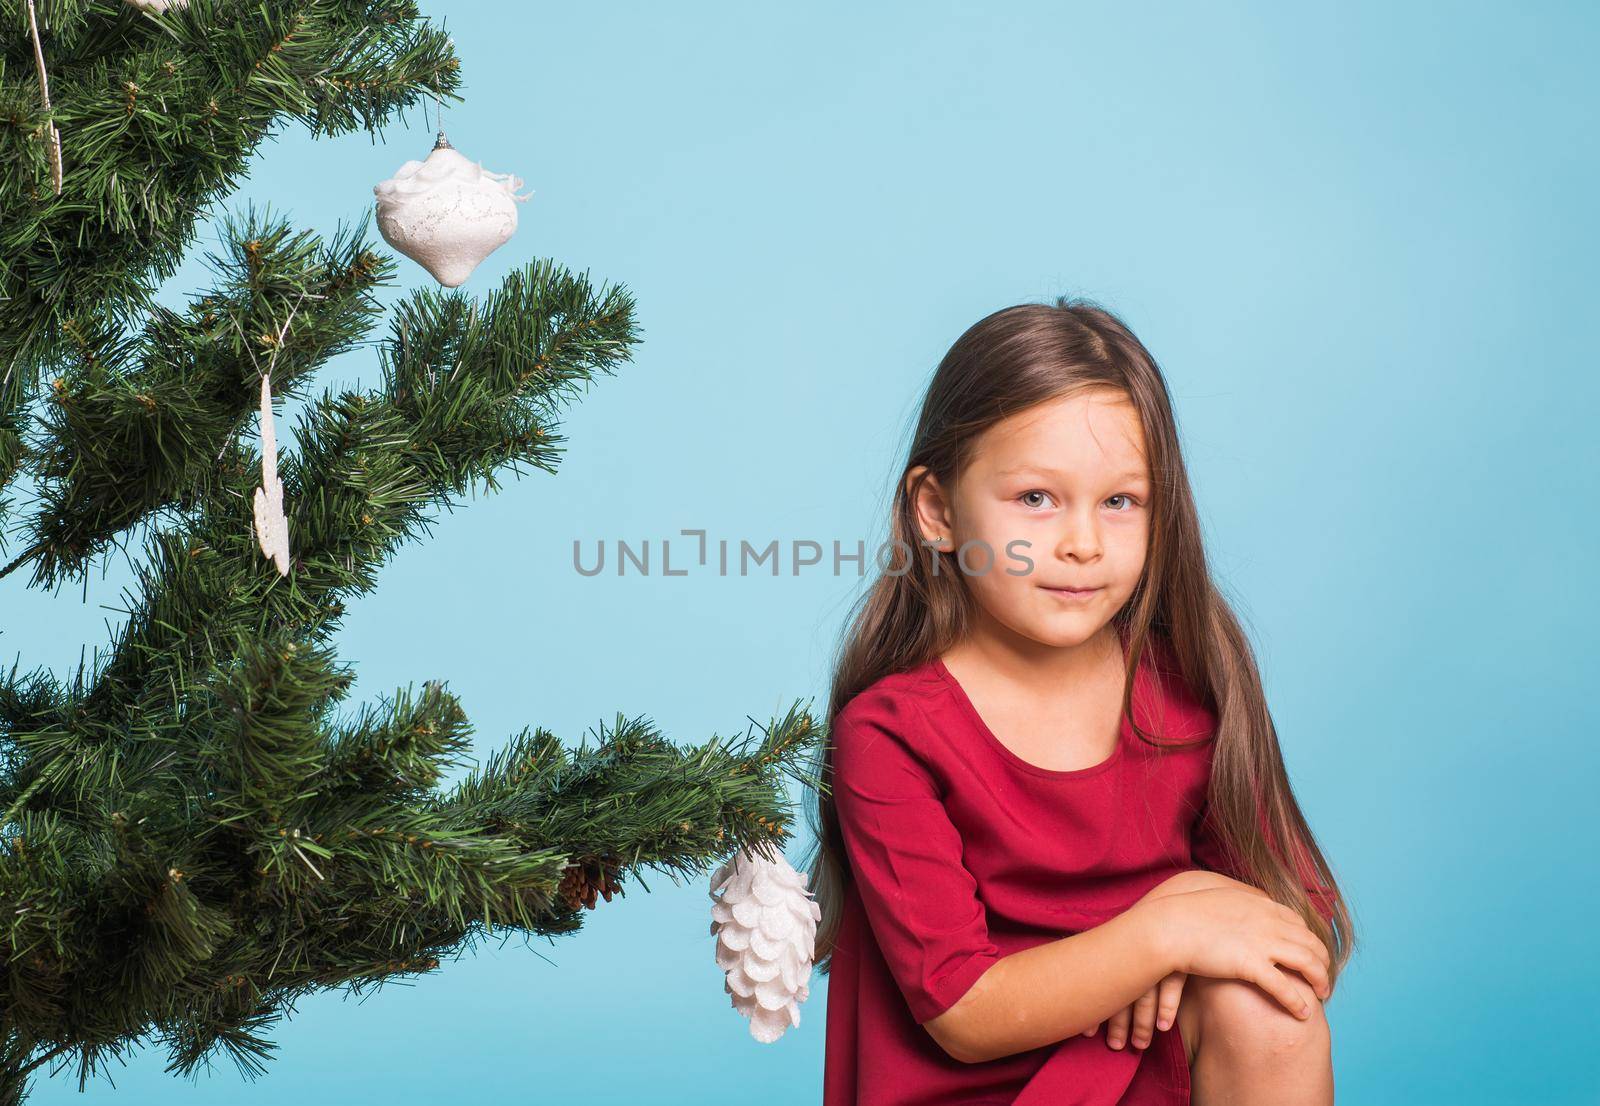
(447, 213)
(158, 6)
(765, 924)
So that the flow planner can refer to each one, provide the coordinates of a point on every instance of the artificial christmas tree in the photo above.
(191, 835)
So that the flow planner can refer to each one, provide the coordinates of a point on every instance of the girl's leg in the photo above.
(1247, 1050)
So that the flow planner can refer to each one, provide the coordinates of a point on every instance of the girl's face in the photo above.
(1063, 485)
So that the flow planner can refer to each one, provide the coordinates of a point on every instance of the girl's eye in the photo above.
(1132, 503)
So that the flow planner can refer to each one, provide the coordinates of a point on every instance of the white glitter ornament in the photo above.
(271, 524)
(765, 924)
(158, 6)
(447, 213)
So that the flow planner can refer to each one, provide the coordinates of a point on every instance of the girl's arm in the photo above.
(1058, 989)
(1053, 991)
(906, 860)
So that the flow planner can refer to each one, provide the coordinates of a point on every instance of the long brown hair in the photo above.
(1003, 364)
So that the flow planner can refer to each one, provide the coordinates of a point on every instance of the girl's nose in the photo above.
(1079, 541)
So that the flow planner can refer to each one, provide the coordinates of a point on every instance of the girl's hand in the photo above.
(1241, 933)
(1156, 1008)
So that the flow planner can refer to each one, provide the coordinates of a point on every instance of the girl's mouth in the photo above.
(1072, 593)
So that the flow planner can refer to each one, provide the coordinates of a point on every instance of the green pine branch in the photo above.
(135, 426)
(247, 852)
(159, 117)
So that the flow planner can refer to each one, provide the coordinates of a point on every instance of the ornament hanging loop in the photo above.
(44, 94)
(440, 143)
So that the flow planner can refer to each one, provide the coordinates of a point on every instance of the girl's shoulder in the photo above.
(902, 695)
(896, 711)
(893, 727)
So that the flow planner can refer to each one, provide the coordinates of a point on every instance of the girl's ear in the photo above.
(932, 509)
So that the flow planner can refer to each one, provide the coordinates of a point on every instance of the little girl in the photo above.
(1053, 795)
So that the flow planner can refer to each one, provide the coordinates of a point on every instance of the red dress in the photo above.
(960, 852)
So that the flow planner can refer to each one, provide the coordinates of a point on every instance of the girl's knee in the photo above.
(1239, 1018)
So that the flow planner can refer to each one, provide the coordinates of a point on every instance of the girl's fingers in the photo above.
(1144, 1018)
(1305, 961)
(1117, 1027)
(1090, 1032)
(1307, 992)
(1157, 1008)
(1303, 936)
(1289, 990)
(1171, 991)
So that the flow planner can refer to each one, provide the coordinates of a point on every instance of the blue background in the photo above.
(1359, 241)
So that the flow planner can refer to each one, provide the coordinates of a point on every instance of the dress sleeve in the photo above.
(1209, 851)
(904, 853)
